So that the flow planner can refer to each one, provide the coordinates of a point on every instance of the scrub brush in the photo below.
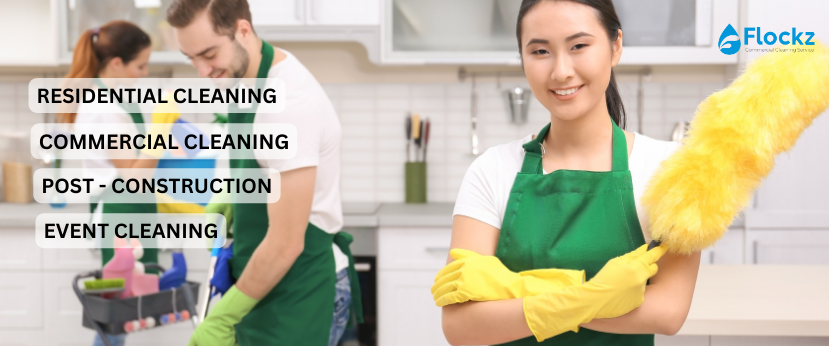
(103, 286)
(732, 142)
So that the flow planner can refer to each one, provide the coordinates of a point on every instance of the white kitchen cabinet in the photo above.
(407, 315)
(75, 260)
(789, 247)
(728, 250)
(320, 21)
(273, 20)
(408, 259)
(21, 300)
(63, 311)
(711, 18)
(338, 12)
(20, 250)
(277, 12)
(315, 12)
(36, 338)
(413, 248)
(73, 17)
(30, 37)
(798, 182)
(483, 31)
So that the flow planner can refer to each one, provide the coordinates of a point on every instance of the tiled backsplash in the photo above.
(372, 116)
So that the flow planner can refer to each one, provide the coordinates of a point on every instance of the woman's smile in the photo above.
(564, 94)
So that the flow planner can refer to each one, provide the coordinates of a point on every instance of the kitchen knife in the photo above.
(416, 134)
(426, 138)
(408, 137)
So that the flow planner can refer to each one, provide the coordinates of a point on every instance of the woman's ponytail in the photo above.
(96, 47)
(84, 65)
(614, 102)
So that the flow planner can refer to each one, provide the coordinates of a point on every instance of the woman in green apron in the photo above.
(116, 50)
(533, 214)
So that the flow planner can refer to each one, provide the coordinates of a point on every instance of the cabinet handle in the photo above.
(437, 249)
(299, 7)
(312, 10)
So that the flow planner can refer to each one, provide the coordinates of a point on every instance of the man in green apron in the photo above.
(293, 267)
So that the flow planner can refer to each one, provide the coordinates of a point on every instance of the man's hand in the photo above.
(219, 328)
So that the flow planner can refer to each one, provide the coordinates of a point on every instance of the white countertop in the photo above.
(760, 300)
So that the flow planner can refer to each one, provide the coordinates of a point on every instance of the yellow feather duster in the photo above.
(731, 145)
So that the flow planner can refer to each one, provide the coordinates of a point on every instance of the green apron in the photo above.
(571, 220)
(150, 253)
(300, 309)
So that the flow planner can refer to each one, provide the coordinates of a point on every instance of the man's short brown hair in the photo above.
(222, 13)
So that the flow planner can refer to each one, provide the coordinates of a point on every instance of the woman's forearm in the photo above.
(667, 301)
(654, 316)
(485, 323)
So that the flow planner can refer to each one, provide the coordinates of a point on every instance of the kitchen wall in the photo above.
(373, 144)
(373, 136)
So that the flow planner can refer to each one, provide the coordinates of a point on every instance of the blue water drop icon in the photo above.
(729, 41)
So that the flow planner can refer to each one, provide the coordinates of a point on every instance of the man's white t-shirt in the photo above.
(318, 142)
(485, 189)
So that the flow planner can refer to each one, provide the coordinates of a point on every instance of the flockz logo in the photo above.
(729, 42)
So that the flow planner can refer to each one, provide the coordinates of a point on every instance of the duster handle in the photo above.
(654, 243)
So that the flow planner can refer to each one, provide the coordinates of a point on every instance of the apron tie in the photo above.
(343, 240)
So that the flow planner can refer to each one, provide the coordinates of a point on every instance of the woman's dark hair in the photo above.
(96, 47)
(610, 21)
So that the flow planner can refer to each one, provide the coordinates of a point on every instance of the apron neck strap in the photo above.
(237, 115)
(620, 149)
(267, 60)
(532, 151)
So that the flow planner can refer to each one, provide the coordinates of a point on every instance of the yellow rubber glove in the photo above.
(219, 328)
(618, 288)
(164, 115)
(482, 278)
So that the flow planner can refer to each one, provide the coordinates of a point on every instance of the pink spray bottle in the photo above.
(121, 266)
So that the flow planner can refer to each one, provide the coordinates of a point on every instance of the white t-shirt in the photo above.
(318, 142)
(486, 186)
